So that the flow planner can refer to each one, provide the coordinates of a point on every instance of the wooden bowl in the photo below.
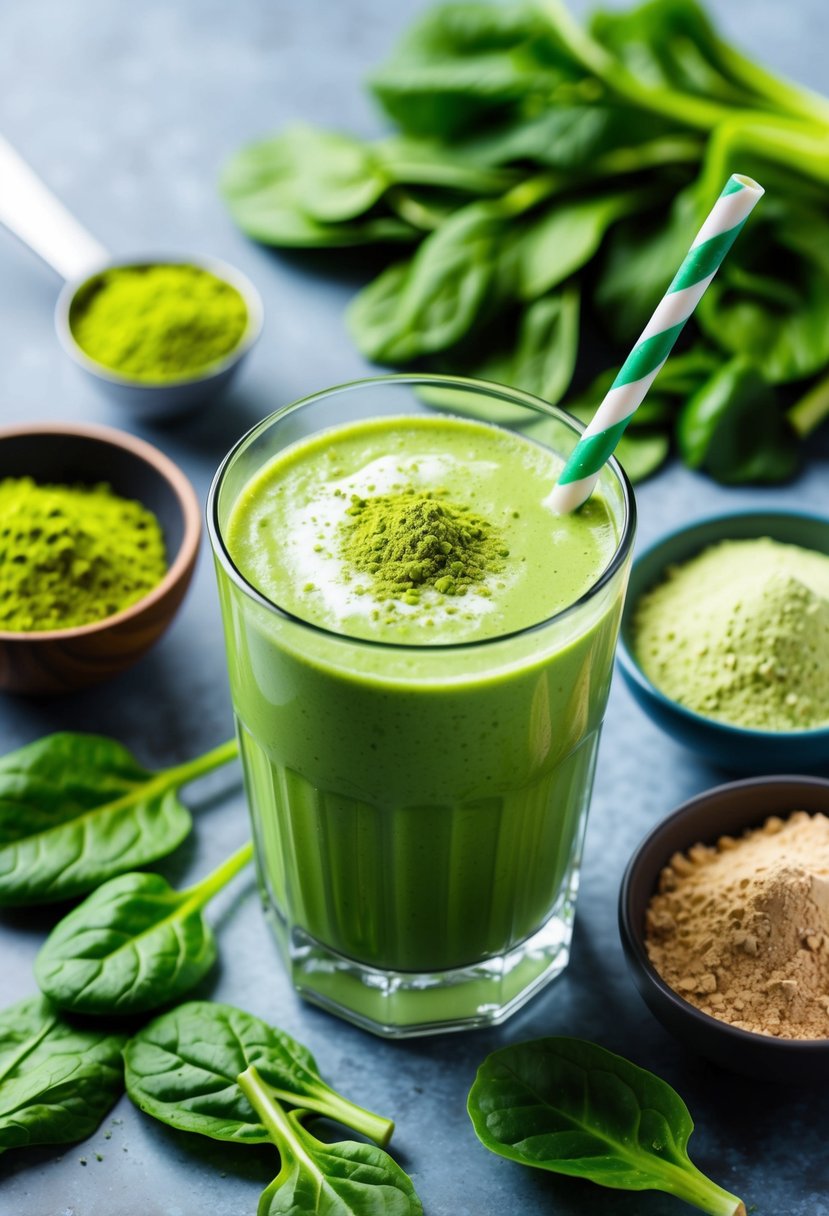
(62, 659)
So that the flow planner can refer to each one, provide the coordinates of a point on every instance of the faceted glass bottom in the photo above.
(402, 1004)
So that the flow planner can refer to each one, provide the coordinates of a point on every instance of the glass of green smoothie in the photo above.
(420, 652)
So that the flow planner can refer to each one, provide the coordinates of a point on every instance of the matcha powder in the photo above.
(71, 555)
(158, 323)
(411, 541)
(740, 633)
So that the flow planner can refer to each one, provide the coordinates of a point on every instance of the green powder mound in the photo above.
(415, 540)
(158, 322)
(741, 633)
(70, 555)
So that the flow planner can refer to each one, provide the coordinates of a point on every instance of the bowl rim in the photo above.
(187, 500)
(633, 937)
(217, 267)
(632, 670)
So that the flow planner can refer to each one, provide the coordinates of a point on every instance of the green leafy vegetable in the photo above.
(221, 1072)
(56, 1082)
(133, 944)
(183, 1067)
(346, 1179)
(429, 303)
(733, 428)
(532, 150)
(539, 352)
(572, 1107)
(76, 809)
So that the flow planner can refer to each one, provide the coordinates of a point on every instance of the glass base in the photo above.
(404, 1004)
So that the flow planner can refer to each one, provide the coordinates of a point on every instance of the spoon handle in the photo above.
(35, 215)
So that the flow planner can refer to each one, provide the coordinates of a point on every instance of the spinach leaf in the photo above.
(308, 187)
(538, 356)
(327, 176)
(429, 303)
(770, 300)
(671, 44)
(76, 809)
(574, 1108)
(571, 137)
(346, 1179)
(566, 236)
(182, 1069)
(734, 428)
(638, 264)
(133, 944)
(463, 62)
(56, 1082)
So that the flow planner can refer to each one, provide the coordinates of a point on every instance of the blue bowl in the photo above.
(731, 747)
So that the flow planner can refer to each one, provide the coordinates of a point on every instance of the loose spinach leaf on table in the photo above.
(346, 1179)
(133, 944)
(572, 1107)
(76, 809)
(183, 1067)
(734, 428)
(56, 1081)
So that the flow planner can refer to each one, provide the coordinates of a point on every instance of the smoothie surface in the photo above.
(300, 529)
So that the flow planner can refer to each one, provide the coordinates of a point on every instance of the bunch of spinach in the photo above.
(572, 1107)
(56, 1081)
(76, 809)
(220, 1072)
(133, 944)
(549, 179)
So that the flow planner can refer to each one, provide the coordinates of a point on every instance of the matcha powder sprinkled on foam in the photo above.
(411, 541)
(740, 633)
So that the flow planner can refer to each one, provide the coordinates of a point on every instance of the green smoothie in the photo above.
(295, 532)
(418, 734)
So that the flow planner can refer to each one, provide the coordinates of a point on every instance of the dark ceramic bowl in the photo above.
(63, 659)
(732, 747)
(730, 810)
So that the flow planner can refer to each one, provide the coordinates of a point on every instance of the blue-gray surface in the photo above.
(127, 111)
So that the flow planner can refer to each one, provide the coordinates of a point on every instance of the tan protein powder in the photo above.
(741, 929)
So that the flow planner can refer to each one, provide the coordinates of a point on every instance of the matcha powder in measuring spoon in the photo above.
(740, 633)
(158, 322)
(410, 541)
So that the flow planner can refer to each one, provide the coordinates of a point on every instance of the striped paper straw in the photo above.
(639, 370)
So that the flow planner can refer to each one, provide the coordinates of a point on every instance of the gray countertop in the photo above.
(127, 111)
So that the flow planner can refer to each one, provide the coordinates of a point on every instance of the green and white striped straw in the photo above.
(713, 241)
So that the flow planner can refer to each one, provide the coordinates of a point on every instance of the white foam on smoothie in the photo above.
(318, 521)
(286, 532)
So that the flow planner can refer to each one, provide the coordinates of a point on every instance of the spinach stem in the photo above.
(688, 110)
(280, 1128)
(182, 774)
(785, 93)
(203, 891)
(811, 410)
(334, 1106)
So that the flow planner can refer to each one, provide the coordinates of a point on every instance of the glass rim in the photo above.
(513, 395)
